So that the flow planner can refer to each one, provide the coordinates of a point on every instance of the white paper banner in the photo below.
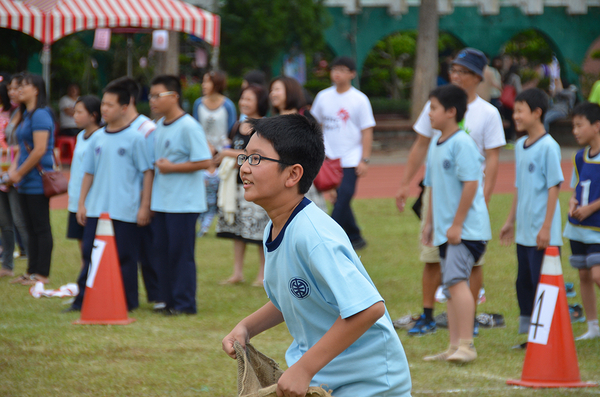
(102, 39)
(97, 252)
(160, 40)
(543, 313)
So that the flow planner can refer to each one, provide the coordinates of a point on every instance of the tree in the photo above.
(427, 56)
(255, 32)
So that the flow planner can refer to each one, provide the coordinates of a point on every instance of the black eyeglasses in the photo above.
(255, 159)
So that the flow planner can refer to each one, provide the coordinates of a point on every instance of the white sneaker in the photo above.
(588, 335)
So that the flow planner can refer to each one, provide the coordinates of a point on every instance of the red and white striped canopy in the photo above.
(51, 20)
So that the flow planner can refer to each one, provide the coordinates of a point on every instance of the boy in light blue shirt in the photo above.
(178, 194)
(535, 206)
(115, 166)
(583, 226)
(457, 221)
(343, 336)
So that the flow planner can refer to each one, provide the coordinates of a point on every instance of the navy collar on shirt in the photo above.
(117, 131)
(525, 146)
(448, 138)
(168, 124)
(271, 244)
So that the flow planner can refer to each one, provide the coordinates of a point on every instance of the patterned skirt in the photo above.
(249, 222)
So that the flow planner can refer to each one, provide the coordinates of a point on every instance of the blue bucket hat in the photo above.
(472, 59)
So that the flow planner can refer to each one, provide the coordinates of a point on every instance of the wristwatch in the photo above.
(366, 160)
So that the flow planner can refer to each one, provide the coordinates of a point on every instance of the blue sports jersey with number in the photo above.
(587, 172)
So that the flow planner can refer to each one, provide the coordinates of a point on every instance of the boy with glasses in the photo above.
(178, 194)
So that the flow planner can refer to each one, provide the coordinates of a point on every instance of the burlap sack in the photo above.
(258, 374)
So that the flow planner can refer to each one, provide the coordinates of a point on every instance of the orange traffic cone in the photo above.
(104, 299)
(551, 359)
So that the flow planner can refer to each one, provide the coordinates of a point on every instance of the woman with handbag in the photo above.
(35, 137)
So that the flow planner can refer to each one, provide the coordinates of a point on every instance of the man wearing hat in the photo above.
(483, 123)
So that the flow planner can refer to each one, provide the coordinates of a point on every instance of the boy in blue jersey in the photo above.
(535, 206)
(583, 227)
(457, 220)
(115, 166)
(343, 335)
(178, 194)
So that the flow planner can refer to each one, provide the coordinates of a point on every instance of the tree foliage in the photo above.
(255, 32)
(531, 45)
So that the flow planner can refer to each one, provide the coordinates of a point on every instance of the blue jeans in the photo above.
(11, 217)
(342, 211)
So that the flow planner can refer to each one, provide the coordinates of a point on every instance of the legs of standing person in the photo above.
(18, 220)
(8, 235)
(87, 245)
(239, 251)
(181, 241)
(586, 259)
(342, 211)
(528, 275)
(36, 211)
(261, 267)
(206, 219)
(127, 238)
(553, 115)
(148, 265)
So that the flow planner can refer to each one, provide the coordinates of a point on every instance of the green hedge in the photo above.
(390, 106)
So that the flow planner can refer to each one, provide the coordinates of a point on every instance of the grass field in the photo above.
(43, 354)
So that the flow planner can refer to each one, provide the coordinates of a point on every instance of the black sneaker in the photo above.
(491, 320)
(71, 309)
(359, 244)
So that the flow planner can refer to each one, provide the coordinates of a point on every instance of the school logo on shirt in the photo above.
(531, 167)
(167, 143)
(446, 164)
(122, 152)
(299, 288)
(97, 150)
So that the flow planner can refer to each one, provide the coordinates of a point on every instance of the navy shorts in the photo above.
(584, 256)
(74, 229)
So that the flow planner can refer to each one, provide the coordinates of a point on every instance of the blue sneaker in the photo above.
(476, 328)
(570, 290)
(422, 327)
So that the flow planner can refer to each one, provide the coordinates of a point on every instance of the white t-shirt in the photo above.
(343, 117)
(66, 102)
(482, 122)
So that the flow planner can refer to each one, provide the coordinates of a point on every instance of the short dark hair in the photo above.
(452, 96)
(534, 98)
(589, 110)
(219, 80)
(296, 140)
(344, 61)
(132, 86)
(170, 82)
(257, 77)
(262, 98)
(4, 98)
(121, 90)
(294, 95)
(91, 103)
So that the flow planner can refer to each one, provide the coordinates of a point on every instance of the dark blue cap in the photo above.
(472, 59)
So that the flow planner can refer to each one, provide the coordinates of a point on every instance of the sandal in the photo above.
(35, 278)
(20, 279)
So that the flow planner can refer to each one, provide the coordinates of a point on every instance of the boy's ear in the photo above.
(596, 125)
(537, 112)
(295, 173)
(451, 112)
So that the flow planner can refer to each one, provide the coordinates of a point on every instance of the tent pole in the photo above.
(46, 58)
(214, 61)
(129, 56)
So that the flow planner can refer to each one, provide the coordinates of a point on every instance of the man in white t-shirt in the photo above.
(484, 124)
(66, 105)
(347, 119)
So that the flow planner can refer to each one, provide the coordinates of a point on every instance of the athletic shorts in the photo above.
(584, 256)
(74, 229)
(432, 254)
(458, 260)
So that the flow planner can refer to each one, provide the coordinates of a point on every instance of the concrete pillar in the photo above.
(168, 61)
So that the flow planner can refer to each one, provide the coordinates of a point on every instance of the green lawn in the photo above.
(43, 354)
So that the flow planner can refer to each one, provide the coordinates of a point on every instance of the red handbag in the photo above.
(330, 175)
(54, 182)
(507, 98)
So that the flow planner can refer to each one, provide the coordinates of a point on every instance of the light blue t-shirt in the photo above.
(40, 120)
(180, 141)
(117, 160)
(584, 235)
(77, 172)
(537, 170)
(313, 276)
(449, 164)
(146, 127)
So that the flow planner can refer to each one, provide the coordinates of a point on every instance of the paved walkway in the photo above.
(387, 168)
